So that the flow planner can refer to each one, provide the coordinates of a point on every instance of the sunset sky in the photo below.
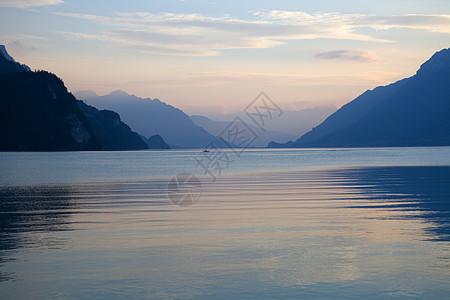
(211, 55)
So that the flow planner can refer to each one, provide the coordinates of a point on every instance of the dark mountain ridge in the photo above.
(112, 132)
(37, 113)
(8, 64)
(411, 112)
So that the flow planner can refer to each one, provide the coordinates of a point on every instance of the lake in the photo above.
(293, 223)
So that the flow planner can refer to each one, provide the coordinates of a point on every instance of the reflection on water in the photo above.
(26, 212)
(380, 232)
(423, 191)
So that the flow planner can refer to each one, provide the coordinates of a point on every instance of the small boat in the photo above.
(206, 151)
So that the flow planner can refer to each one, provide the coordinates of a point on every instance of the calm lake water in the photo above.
(338, 223)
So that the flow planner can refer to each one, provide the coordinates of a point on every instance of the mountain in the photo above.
(155, 142)
(152, 116)
(264, 137)
(285, 127)
(111, 131)
(37, 113)
(291, 122)
(85, 94)
(346, 115)
(8, 64)
(411, 112)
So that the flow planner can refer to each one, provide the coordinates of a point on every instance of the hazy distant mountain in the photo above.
(291, 122)
(411, 112)
(111, 131)
(149, 117)
(285, 127)
(85, 94)
(155, 142)
(37, 113)
(264, 137)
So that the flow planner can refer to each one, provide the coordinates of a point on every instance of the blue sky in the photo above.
(206, 56)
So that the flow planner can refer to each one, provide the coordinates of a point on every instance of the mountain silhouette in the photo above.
(112, 132)
(37, 113)
(152, 116)
(216, 128)
(287, 126)
(155, 142)
(8, 64)
(85, 94)
(411, 112)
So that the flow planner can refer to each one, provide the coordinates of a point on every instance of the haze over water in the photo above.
(347, 223)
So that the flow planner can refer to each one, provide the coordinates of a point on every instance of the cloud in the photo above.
(23, 43)
(352, 55)
(433, 23)
(156, 46)
(209, 79)
(200, 35)
(28, 3)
